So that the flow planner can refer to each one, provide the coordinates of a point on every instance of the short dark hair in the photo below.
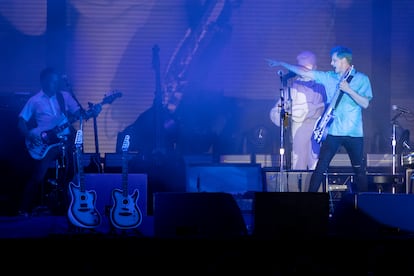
(342, 52)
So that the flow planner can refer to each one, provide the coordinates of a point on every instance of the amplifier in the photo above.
(298, 181)
(228, 178)
(236, 158)
(289, 181)
(114, 160)
(86, 160)
(380, 160)
(265, 160)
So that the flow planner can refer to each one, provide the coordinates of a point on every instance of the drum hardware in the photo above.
(407, 160)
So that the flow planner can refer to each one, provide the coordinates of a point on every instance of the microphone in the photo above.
(400, 109)
(289, 75)
(280, 74)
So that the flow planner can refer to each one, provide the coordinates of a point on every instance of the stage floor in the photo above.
(46, 244)
(357, 242)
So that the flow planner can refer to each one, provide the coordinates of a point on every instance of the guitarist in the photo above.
(49, 109)
(346, 126)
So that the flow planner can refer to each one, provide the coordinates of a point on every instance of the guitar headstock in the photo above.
(79, 138)
(125, 144)
(108, 99)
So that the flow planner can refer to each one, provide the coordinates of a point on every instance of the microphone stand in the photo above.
(394, 142)
(283, 123)
(82, 115)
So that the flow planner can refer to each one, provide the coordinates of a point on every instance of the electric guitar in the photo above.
(82, 210)
(125, 213)
(50, 138)
(320, 130)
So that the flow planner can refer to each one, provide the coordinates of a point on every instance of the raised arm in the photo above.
(299, 70)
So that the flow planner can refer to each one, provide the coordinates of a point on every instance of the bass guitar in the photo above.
(82, 210)
(50, 138)
(320, 130)
(125, 213)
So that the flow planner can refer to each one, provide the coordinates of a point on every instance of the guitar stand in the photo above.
(125, 232)
(114, 231)
(80, 230)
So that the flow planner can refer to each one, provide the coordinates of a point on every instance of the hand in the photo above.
(34, 139)
(96, 109)
(344, 86)
(272, 63)
(93, 111)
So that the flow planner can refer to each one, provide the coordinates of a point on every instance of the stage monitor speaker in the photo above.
(373, 215)
(291, 215)
(228, 178)
(104, 183)
(394, 211)
(197, 215)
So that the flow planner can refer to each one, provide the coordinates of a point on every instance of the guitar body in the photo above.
(125, 213)
(39, 152)
(50, 138)
(322, 124)
(82, 211)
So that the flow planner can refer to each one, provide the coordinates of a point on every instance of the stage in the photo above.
(368, 233)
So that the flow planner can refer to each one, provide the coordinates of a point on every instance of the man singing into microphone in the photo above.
(348, 91)
(307, 105)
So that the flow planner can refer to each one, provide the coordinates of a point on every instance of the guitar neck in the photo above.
(79, 165)
(338, 94)
(335, 99)
(125, 173)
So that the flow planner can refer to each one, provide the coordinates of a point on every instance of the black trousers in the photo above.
(39, 168)
(355, 149)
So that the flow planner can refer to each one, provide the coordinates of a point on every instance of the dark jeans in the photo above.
(355, 149)
(39, 170)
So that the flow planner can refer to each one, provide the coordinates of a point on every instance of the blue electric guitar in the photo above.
(320, 130)
(125, 213)
(82, 210)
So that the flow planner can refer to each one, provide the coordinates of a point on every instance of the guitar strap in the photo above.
(61, 102)
(341, 92)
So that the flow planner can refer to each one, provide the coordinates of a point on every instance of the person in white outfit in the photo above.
(306, 105)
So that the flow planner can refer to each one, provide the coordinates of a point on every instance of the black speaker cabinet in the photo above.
(104, 183)
(227, 178)
(290, 215)
(200, 215)
(372, 214)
